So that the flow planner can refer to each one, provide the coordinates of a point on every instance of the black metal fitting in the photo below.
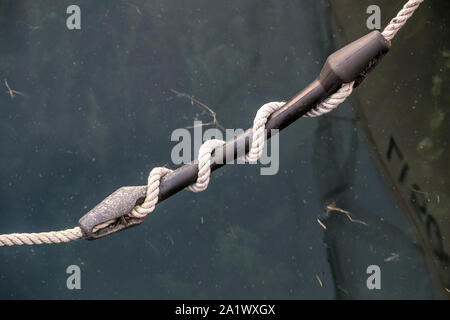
(351, 63)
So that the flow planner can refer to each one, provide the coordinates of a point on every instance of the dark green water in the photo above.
(98, 112)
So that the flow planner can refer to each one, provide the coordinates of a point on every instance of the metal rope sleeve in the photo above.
(258, 140)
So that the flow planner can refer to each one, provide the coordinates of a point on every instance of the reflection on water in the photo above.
(371, 234)
(97, 113)
(408, 132)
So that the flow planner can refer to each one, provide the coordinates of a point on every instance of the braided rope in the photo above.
(151, 198)
(400, 19)
(332, 102)
(204, 158)
(259, 130)
(204, 164)
(40, 238)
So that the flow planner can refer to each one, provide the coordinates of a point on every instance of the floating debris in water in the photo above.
(392, 257)
(12, 93)
(332, 207)
(202, 105)
(318, 280)
(321, 224)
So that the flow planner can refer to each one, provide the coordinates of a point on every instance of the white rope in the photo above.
(151, 198)
(204, 164)
(259, 129)
(333, 101)
(205, 151)
(400, 19)
(40, 238)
